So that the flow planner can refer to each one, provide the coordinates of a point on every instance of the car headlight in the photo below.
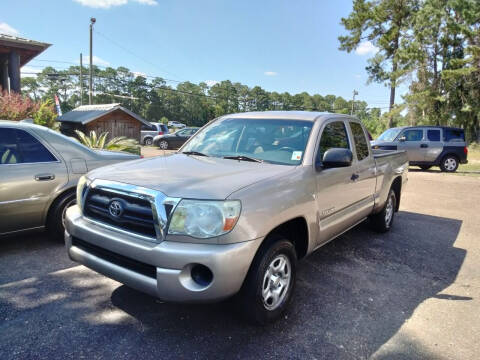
(204, 218)
(82, 185)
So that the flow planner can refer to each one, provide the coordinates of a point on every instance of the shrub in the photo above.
(120, 143)
(46, 115)
(16, 107)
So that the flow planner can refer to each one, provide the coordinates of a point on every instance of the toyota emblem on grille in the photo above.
(115, 208)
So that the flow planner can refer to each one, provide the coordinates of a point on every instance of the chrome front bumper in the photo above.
(172, 261)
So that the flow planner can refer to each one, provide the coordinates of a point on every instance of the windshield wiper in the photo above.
(243, 158)
(194, 153)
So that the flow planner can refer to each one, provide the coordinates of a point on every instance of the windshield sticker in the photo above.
(297, 155)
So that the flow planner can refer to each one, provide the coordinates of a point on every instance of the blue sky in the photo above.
(280, 45)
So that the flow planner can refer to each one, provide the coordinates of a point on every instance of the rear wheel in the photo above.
(269, 284)
(56, 216)
(424, 167)
(449, 163)
(382, 222)
(163, 144)
(148, 141)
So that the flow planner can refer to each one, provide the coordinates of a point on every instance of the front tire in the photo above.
(56, 216)
(163, 144)
(449, 163)
(270, 282)
(382, 222)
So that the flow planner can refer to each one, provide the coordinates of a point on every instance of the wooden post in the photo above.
(14, 71)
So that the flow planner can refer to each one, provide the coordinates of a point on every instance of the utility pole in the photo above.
(355, 92)
(90, 90)
(81, 80)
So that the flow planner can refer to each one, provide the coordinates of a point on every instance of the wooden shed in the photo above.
(111, 118)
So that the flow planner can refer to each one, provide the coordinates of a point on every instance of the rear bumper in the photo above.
(159, 269)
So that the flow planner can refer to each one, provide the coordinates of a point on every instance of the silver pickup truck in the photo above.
(235, 208)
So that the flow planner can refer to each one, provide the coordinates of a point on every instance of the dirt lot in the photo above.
(413, 293)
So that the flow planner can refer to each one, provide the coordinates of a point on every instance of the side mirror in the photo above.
(402, 138)
(336, 157)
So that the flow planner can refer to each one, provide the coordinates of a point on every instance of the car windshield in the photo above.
(270, 140)
(389, 135)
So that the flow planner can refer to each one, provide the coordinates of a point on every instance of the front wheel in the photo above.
(449, 163)
(382, 222)
(163, 144)
(269, 285)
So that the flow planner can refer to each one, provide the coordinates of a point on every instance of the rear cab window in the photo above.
(361, 145)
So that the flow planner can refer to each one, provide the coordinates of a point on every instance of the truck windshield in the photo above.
(270, 140)
(389, 135)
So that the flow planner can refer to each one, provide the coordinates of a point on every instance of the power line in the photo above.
(133, 53)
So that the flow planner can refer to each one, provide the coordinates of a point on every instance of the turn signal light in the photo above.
(465, 150)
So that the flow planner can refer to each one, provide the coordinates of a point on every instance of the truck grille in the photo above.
(135, 214)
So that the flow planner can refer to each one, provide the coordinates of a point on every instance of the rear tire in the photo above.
(270, 282)
(148, 141)
(449, 163)
(382, 222)
(56, 216)
(424, 167)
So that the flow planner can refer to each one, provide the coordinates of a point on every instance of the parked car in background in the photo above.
(176, 124)
(427, 146)
(39, 170)
(235, 208)
(148, 133)
(175, 140)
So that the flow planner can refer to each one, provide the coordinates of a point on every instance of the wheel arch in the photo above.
(55, 201)
(295, 230)
(397, 189)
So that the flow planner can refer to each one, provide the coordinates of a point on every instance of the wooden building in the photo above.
(14, 53)
(111, 118)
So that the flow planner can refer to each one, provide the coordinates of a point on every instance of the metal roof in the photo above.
(28, 48)
(87, 113)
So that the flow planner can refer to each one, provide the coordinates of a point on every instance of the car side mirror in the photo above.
(402, 138)
(335, 158)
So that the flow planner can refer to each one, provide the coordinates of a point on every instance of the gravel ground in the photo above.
(412, 293)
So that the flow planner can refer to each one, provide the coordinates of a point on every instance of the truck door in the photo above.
(434, 143)
(365, 173)
(411, 140)
(336, 187)
(29, 174)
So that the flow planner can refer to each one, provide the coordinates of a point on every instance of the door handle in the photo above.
(424, 145)
(354, 177)
(44, 177)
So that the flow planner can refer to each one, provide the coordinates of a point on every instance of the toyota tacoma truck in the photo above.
(235, 208)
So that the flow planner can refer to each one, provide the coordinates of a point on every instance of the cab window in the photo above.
(18, 146)
(334, 135)
(433, 135)
(361, 145)
(412, 135)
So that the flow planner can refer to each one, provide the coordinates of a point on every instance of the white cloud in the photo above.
(106, 4)
(210, 83)
(96, 61)
(28, 71)
(7, 29)
(139, 73)
(270, 73)
(365, 48)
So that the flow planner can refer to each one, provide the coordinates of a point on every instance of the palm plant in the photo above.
(119, 143)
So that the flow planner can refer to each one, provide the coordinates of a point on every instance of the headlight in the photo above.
(82, 184)
(204, 219)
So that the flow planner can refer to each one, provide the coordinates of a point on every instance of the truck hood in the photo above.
(184, 176)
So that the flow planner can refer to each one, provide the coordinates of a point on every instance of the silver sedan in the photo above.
(39, 170)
